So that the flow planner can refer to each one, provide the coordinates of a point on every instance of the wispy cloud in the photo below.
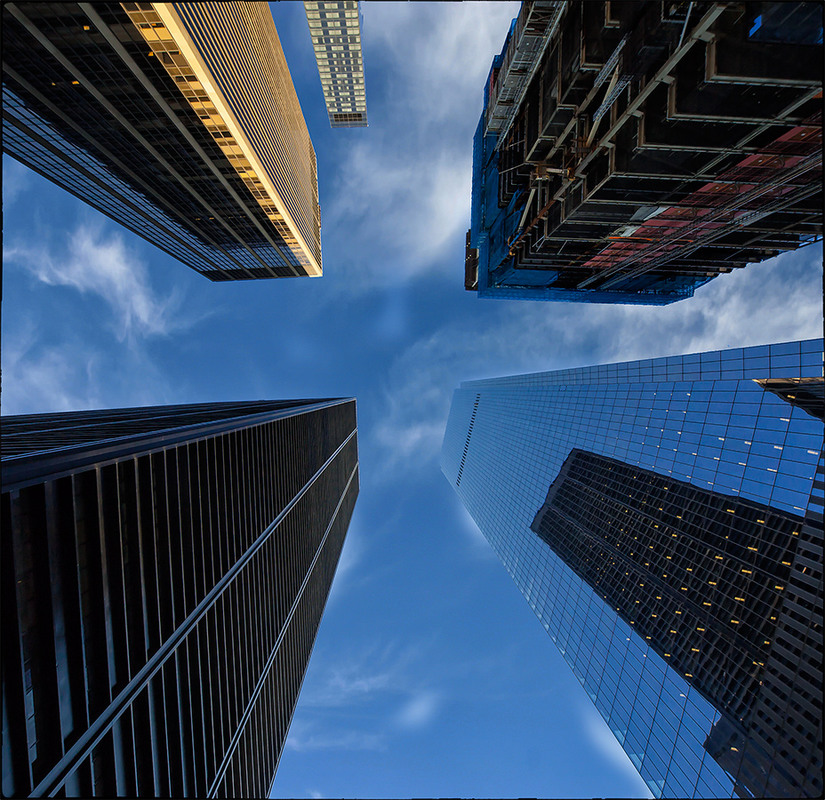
(357, 700)
(402, 194)
(358, 678)
(426, 41)
(40, 375)
(606, 744)
(777, 300)
(96, 262)
(16, 180)
(355, 546)
(405, 211)
(303, 740)
(57, 378)
(419, 710)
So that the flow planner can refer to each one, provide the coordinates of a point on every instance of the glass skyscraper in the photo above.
(663, 519)
(164, 572)
(178, 120)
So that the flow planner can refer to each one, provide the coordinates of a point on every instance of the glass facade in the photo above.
(173, 130)
(335, 28)
(663, 519)
(164, 572)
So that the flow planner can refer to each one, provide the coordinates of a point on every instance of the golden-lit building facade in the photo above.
(335, 30)
(183, 124)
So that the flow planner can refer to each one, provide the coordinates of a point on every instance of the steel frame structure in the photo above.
(656, 146)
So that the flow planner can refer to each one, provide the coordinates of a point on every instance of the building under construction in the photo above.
(629, 152)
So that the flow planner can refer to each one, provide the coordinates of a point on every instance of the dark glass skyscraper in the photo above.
(629, 152)
(663, 519)
(178, 120)
(164, 573)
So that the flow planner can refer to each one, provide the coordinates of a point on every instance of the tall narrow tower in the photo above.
(335, 29)
(663, 519)
(164, 574)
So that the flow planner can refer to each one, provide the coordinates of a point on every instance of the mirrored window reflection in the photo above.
(726, 438)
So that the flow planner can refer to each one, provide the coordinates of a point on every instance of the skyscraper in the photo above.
(178, 120)
(663, 519)
(335, 30)
(164, 573)
(631, 152)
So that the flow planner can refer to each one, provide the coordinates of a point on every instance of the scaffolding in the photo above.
(654, 147)
(534, 27)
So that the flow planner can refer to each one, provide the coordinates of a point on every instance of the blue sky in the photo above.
(430, 675)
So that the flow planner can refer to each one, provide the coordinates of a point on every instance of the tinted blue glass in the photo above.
(506, 442)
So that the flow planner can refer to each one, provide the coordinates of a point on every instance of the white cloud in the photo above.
(606, 744)
(406, 209)
(361, 677)
(402, 195)
(778, 300)
(351, 555)
(442, 53)
(58, 378)
(40, 376)
(106, 266)
(344, 740)
(354, 701)
(419, 710)
(480, 547)
(16, 180)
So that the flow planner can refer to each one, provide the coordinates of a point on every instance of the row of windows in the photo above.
(133, 108)
(526, 426)
(134, 537)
